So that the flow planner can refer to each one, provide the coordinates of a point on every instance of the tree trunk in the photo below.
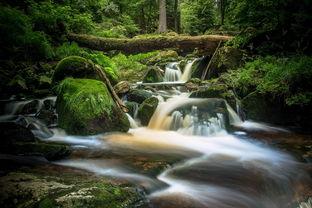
(222, 6)
(162, 17)
(176, 16)
(206, 45)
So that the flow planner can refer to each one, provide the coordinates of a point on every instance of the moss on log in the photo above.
(205, 45)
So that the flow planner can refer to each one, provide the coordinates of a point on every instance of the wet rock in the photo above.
(47, 116)
(133, 108)
(76, 67)
(30, 108)
(153, 74)
(138, 95)
(215, 91)
(12, 133)
(147, 109)
(47, 150)
(86, 107)
(122, 87)
(49, 104)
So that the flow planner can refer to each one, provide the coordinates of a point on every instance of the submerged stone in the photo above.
(86, 107)
(147, 109)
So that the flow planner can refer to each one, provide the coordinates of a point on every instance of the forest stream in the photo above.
(193, 152)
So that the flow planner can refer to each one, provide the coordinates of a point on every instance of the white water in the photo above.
(187, 71)
(219, 170)
(173, 72)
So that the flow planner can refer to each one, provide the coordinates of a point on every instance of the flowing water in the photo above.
(186, 156)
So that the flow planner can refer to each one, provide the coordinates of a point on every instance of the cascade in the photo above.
(172, 72)
(187, 71)
(185, 154)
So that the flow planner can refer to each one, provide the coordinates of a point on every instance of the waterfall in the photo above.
(307, 204)
(182, 114)
(187, 71)
(234, 118)
(132, 122)
(172, 72)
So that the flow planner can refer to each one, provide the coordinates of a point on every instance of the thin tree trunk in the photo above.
(210, 62)
(162, 17)
(176, 16)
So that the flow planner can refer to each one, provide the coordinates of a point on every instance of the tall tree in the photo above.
(177, 16)
(162, 28)
(222, 4)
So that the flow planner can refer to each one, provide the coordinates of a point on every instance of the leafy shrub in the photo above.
(286, 77)
(18, 39)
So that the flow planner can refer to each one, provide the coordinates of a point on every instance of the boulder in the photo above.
(261, 107)
(147, 109)
(47, 188)
(48, 116)
(48, 150)
(86, 107)
(30, 107)
(163, 57)
(18, 140)
(153, 74)
(122, 87)
(76, 67)
(226, 58)
(215, 91)
(12, 133)
(138, 96)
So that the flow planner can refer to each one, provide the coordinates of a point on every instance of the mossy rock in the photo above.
(215, 91)
(226, 58)
(164, 57)
(261, 107)
(138, 95)
(147, 109)
(72, 189)
(153, 74)
(76, 67)
(85, 107)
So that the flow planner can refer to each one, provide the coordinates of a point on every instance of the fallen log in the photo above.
(205, 44)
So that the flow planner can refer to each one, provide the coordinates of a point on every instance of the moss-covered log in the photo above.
(205, 45)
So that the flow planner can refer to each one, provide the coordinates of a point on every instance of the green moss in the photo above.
(76, 67)
(47, 203)
(147, 109)
(153, 75)
(86, 107)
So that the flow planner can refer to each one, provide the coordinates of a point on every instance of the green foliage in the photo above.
(17, 38)
(286, 78)
(197, 16)
(276, 25)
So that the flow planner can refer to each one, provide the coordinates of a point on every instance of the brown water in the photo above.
(199, 164)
